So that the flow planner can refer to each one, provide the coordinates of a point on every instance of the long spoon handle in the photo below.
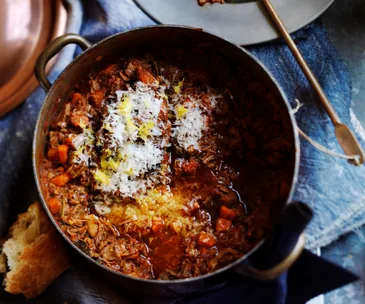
(345, 136)
(298, 56)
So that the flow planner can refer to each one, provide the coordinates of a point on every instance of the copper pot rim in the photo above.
(22, 84)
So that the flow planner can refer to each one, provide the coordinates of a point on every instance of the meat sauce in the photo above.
(160, 169)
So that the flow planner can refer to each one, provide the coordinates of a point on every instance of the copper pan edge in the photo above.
(19, 87)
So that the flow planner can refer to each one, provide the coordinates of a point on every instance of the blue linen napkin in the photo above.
(329, 185)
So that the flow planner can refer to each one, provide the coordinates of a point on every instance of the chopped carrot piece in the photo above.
(111, 69)
(206, 239)
(63, 153)
(227, 213)
(145, 76)
(157, 225)
(61, 180)
(223, 225)
(52, 155)
(54, 205)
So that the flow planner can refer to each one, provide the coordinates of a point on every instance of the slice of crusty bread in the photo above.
(34, 254)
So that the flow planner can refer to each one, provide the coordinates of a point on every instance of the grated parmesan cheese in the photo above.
(132, 117)
(84, 144)
(191, 117)
(128, 178)
(188, 130)
(157, 203)
(128, 117)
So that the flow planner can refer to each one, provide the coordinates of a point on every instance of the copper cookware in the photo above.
(27, 26)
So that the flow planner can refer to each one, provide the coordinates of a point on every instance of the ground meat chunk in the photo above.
(97, 98)
(186, 167)
(78, 101)
(134, 65)
(225, 195)
(79, 119)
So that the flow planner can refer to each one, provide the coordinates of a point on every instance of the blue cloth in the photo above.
(329, 185)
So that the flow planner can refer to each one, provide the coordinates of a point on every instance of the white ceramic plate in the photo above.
(242, 23)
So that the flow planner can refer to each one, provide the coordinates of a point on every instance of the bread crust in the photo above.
(40, 262)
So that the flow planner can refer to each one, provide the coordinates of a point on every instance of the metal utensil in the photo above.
(345, 136)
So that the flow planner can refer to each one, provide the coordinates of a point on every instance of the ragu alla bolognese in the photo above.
(151, 163)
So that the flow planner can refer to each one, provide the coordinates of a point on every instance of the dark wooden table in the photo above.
(345, 23)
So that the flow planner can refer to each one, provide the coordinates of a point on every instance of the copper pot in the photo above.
(58, 92)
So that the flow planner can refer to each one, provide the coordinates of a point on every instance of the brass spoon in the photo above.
(345, 137)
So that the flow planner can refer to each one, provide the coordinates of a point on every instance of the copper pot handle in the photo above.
(51, 50)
